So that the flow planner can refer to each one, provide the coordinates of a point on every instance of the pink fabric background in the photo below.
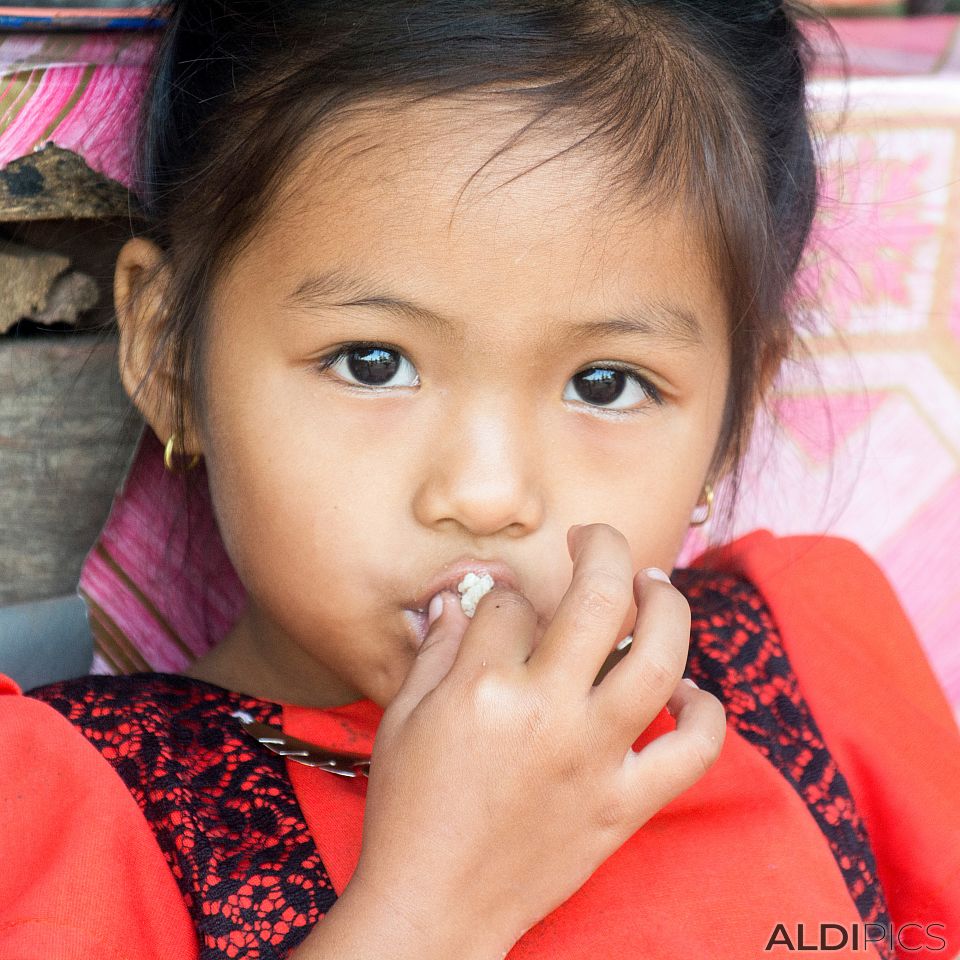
(872, 456)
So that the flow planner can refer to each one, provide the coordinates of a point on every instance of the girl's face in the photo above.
(399, 377)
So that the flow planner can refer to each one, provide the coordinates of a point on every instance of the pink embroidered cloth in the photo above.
(874, 457)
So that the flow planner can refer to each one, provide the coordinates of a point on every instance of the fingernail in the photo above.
(692, 684)
(655, 573)
(435, 609)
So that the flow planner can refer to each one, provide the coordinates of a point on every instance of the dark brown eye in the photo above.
(368, 364)
(374, 367)
(600, 386)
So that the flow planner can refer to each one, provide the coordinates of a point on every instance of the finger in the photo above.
(503, 631)
(634, 691)
(434, 658)
(587, 622)
(675, 761)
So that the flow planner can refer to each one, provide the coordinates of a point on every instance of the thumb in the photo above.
(435, 657)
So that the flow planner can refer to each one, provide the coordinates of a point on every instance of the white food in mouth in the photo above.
(471, 589)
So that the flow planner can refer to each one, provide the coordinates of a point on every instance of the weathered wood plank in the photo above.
(67, 432)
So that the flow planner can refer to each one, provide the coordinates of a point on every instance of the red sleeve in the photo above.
(82, 874)
(880, 708)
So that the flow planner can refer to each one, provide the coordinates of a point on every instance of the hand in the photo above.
(502, 777)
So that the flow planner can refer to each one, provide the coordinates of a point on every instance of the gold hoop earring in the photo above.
(708, 494)
(168, 457)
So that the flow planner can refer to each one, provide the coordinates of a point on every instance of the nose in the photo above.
(483, 471)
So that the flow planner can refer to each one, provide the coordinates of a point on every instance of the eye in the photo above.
(601, 386)
(370, 364)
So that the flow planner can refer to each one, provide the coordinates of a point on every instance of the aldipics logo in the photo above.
(857, 936)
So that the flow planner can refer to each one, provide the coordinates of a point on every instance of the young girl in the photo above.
(494, 287)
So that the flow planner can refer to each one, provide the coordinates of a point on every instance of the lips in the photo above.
(447, 579)
(418, 625)
(453, 573)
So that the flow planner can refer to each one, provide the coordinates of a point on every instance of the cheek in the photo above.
(268, 485)
(301, 496)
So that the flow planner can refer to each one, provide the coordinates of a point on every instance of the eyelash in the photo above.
(324, 363)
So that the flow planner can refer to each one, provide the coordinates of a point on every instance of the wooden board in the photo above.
(67, 432)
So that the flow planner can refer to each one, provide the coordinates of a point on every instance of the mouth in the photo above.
(469, 577)
(464, 577)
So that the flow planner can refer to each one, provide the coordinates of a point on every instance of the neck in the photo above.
(260, 661)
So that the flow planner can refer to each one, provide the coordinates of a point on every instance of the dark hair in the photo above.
(706, 97)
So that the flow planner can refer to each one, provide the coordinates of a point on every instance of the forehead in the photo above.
(458, 204)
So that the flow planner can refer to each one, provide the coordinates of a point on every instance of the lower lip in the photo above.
(418, 625)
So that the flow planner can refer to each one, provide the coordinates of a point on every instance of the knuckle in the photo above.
(656, 676)
(600, 590)
(661, 673)
(517, 713)
(611, 812)
(489, 692)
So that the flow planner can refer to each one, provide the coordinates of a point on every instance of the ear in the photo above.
(140, 283)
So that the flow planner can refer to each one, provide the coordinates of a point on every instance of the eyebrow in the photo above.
(657, 320)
